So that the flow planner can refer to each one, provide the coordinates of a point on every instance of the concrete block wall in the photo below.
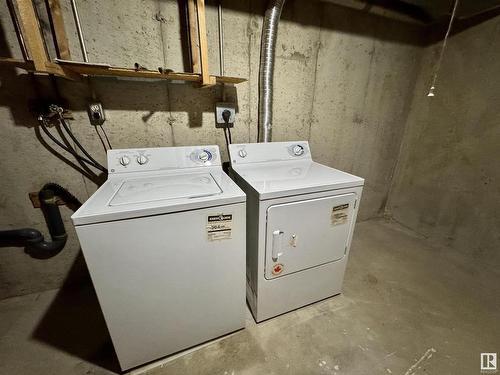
(344, 81)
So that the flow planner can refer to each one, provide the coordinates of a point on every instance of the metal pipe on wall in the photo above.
(221, 49)
(221, 40)
(17, 28)
(79, 31)
(266, 68)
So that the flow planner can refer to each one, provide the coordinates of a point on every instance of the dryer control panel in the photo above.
(162, 158)
(246, 153)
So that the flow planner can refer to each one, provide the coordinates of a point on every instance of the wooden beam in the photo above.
(32, 34)
(41, 63)
(61, 71)
(107, 70)
(23, 64)
(50, 68)
(58, 29)
(228, 80)
(206, 80)
(194, 43)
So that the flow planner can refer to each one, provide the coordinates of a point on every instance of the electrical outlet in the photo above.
(221, 107)
(96, 114)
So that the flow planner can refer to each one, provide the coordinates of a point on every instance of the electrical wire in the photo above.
(72, 146)
(437, 68)
(226, 115)
(102, 140)
(72, 136)
(80, 168)
(227, 140)
(60, 144)
(67, 149)
(106, 136)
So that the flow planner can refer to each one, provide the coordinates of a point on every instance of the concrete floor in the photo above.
(408, 307)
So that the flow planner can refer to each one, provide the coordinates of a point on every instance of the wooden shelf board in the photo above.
(229, 80)
(8, 61)
(107, 70)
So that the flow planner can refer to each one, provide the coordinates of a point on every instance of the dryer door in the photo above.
(307, 233)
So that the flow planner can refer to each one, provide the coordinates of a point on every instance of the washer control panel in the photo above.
(202, 156)
(245, 153)
(297, 150)
(151, 159)
(124, 160)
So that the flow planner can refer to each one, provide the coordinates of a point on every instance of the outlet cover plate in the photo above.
(221, 107)
(96, 113)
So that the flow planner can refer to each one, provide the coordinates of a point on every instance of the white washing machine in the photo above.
(300, 221)
(164, 241)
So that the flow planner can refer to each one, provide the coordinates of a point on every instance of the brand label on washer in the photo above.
(340, 214)
(219, 227)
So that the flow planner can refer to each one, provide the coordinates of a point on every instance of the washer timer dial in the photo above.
(205, 156)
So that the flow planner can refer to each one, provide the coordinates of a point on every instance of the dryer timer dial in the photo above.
(298, 150)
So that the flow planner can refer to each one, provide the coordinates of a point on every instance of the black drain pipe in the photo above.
(32, 240)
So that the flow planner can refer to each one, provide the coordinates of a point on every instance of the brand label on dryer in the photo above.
(340, 214)
(219, 227)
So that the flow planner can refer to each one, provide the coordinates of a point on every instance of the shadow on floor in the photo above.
(74, 322)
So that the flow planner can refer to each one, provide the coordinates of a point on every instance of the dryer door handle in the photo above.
(277, 244)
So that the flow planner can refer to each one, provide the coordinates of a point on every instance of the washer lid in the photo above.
(126, 196)
(142, 190)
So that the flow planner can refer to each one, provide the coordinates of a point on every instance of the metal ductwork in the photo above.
(266, 68)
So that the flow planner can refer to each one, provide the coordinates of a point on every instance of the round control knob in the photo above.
(142, 159)
(204, 156)
(298, 150)
(124, 160)
(243, 153)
